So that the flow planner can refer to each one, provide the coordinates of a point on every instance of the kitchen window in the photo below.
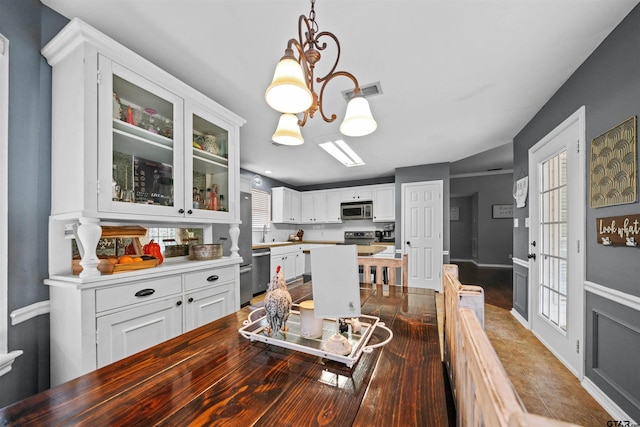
(6, 357)
(260, 209)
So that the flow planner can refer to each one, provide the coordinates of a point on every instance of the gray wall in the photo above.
(494, 235)
(28, 25)
(608, 85)
(460, 229)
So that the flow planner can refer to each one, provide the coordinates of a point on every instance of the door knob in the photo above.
(531, 256)
(408, 243)
(533, 243)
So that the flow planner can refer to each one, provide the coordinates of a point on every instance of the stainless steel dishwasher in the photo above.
(261, 270)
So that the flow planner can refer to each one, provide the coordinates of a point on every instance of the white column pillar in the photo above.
(88, 234)
(234, 233)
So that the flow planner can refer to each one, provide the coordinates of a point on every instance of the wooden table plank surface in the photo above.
(214, 376)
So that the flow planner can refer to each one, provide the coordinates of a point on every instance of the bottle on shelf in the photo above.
(213, 198)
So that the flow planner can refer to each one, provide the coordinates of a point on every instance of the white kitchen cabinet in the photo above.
(384, 203)
(313, 207)
(334, 198)
(131, 144)
(285, 205)
(307, 208)
(127, 332)
(141, 163)
(357, 194)
(209, 296)
(207, 305)
(291, 260)
(99, 320)
(300, 263)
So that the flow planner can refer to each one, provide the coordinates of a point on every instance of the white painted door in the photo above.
(422, 233)
(556, 266)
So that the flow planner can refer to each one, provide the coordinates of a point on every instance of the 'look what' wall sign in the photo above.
(618, 230)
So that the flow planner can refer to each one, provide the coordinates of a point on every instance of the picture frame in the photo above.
(454, 213)
(501, 211)
(612, 167)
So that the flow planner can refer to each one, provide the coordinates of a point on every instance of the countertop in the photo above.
(213, 376)
(315, 242)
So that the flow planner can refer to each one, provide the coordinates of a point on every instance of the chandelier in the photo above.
(292, 90)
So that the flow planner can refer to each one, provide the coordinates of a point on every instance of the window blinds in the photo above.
(260, 208)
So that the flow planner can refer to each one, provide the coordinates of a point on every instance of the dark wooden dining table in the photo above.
(214, 376)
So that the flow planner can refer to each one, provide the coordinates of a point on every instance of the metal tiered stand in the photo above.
(256, 329)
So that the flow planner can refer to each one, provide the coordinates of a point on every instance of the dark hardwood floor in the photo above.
(497, 282)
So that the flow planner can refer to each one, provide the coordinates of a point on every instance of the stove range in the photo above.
(359, 237)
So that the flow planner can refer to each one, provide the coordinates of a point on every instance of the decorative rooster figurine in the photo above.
(277, 304)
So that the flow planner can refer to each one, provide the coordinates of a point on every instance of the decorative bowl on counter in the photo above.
(205, 251)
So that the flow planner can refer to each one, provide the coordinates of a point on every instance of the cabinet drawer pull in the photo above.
(179, 302)
(145, 292)
(190, 299)
(212, 278)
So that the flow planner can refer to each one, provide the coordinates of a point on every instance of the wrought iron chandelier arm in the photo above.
(302, 60)
(326, 80)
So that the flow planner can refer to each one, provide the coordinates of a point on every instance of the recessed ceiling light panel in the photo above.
(342, 152)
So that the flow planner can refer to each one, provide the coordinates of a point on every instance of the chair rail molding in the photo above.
(29, 312)
(520, 262)
(623, 298)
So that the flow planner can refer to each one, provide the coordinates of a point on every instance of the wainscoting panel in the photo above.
(521, 290)
(612, 349)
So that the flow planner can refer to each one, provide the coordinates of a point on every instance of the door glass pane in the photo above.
(142, 145)
(210, 166)
(553, 241)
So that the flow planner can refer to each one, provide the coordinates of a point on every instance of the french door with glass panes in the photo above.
(556, 273)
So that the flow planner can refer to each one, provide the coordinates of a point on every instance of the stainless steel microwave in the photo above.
(356, 210)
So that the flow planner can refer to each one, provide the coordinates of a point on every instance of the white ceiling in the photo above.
(458, 77)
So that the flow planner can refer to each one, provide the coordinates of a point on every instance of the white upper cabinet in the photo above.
(357, 194)
(384, 203)
(334, 198)
(139, 144)
(313, 207)
(285, 205)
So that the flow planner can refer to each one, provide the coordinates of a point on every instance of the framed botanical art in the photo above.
(613, 166)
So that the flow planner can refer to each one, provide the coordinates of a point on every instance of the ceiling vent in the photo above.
(369, 90)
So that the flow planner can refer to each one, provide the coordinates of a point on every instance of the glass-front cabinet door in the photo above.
(140, 145)
(208, 162)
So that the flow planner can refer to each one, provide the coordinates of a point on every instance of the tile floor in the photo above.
(546, 387)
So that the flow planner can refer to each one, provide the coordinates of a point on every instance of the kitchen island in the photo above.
(213, 376)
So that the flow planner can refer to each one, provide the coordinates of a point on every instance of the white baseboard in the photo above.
(481, 264)
(607, 404)
(520, 319)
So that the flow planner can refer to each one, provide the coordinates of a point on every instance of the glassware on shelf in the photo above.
(117, 108)
(115, 188)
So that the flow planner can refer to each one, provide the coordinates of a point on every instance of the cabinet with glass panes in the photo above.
(140, 147)
(169, 156)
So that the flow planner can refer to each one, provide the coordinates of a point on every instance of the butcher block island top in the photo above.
(214, 376)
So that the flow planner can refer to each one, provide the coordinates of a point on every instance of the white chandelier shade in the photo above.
(358, 120)
(288, 131)
(288, 92)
